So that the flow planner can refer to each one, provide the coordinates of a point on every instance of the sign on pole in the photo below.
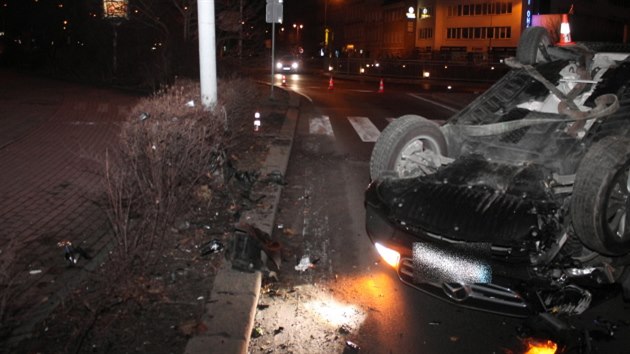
(273, 15)
(273, 11)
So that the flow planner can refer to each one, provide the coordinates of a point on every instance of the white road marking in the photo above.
(363, 91)
(320, 126)
(454, 110)
(365, 128)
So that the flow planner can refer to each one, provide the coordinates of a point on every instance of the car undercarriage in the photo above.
(518, 204)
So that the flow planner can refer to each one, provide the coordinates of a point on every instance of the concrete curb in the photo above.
(231, 309)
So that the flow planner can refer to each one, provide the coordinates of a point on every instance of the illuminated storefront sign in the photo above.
(115, 9)
(528, 14)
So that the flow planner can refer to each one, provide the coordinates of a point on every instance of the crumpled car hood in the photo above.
(474, 200)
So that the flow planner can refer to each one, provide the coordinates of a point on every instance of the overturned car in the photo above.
(519, 204)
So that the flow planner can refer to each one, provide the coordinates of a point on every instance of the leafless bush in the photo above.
(169, 147)
(239, 97)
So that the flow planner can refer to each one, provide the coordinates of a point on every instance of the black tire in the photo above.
(409, 134)
(599, 206)
(532, 46)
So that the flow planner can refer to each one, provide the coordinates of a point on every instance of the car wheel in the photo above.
(532, 46)
(410, 146)
(599, 206)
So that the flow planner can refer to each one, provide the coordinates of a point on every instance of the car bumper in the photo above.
(498, 296)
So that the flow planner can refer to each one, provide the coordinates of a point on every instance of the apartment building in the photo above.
(468, 28)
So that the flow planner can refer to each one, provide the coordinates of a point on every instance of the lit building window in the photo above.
(480, 8)
(504, 32)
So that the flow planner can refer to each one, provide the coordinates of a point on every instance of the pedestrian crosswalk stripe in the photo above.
(363, 126)
(320, 126)
(367, 131)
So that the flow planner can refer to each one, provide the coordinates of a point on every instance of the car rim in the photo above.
(616, 212)
(418, 157)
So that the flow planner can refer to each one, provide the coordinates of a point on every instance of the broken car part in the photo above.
(518, 205)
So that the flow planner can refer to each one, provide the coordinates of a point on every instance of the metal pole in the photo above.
(240, 33)
(207, 53)
(273, 58)
(114, 49)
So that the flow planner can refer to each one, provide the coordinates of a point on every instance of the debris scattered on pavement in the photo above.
(278, 330)
(288, 232)
(71, 253)
(190, 103)
(344, 329)
(305, 263)
(35, 271)
(435, 323)
(144, 116)
(211, 247)
(275, 177)
(262, 306)
(353, 347)
(248, 241)
(605, 328)
(273, 276)
(183, 226)
(192, 327)
(257, 332)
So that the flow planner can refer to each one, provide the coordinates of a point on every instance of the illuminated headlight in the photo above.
(279, 65)
(294, 65)
(390, 256)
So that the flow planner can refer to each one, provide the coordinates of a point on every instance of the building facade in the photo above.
(469, 26)
(480, 29)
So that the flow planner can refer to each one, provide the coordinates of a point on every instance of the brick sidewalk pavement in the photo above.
(52, 134)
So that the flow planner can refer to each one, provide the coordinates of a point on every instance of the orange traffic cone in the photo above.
(381, 87)
(330, 83)
(284, 80)
(565, 31)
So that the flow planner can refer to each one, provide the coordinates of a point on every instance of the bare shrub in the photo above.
(170, 150)
(239, 97)
(168, 146)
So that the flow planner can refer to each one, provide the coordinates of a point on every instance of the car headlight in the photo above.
(279, 65)
(294, 65)
(389, 255)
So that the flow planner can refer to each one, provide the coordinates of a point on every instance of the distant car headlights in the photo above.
(287, 65)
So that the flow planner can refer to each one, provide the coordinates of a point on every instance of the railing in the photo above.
(419, 69)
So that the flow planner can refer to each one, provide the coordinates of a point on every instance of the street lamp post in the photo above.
(115, 11)
(297, 27)
(326, 25)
